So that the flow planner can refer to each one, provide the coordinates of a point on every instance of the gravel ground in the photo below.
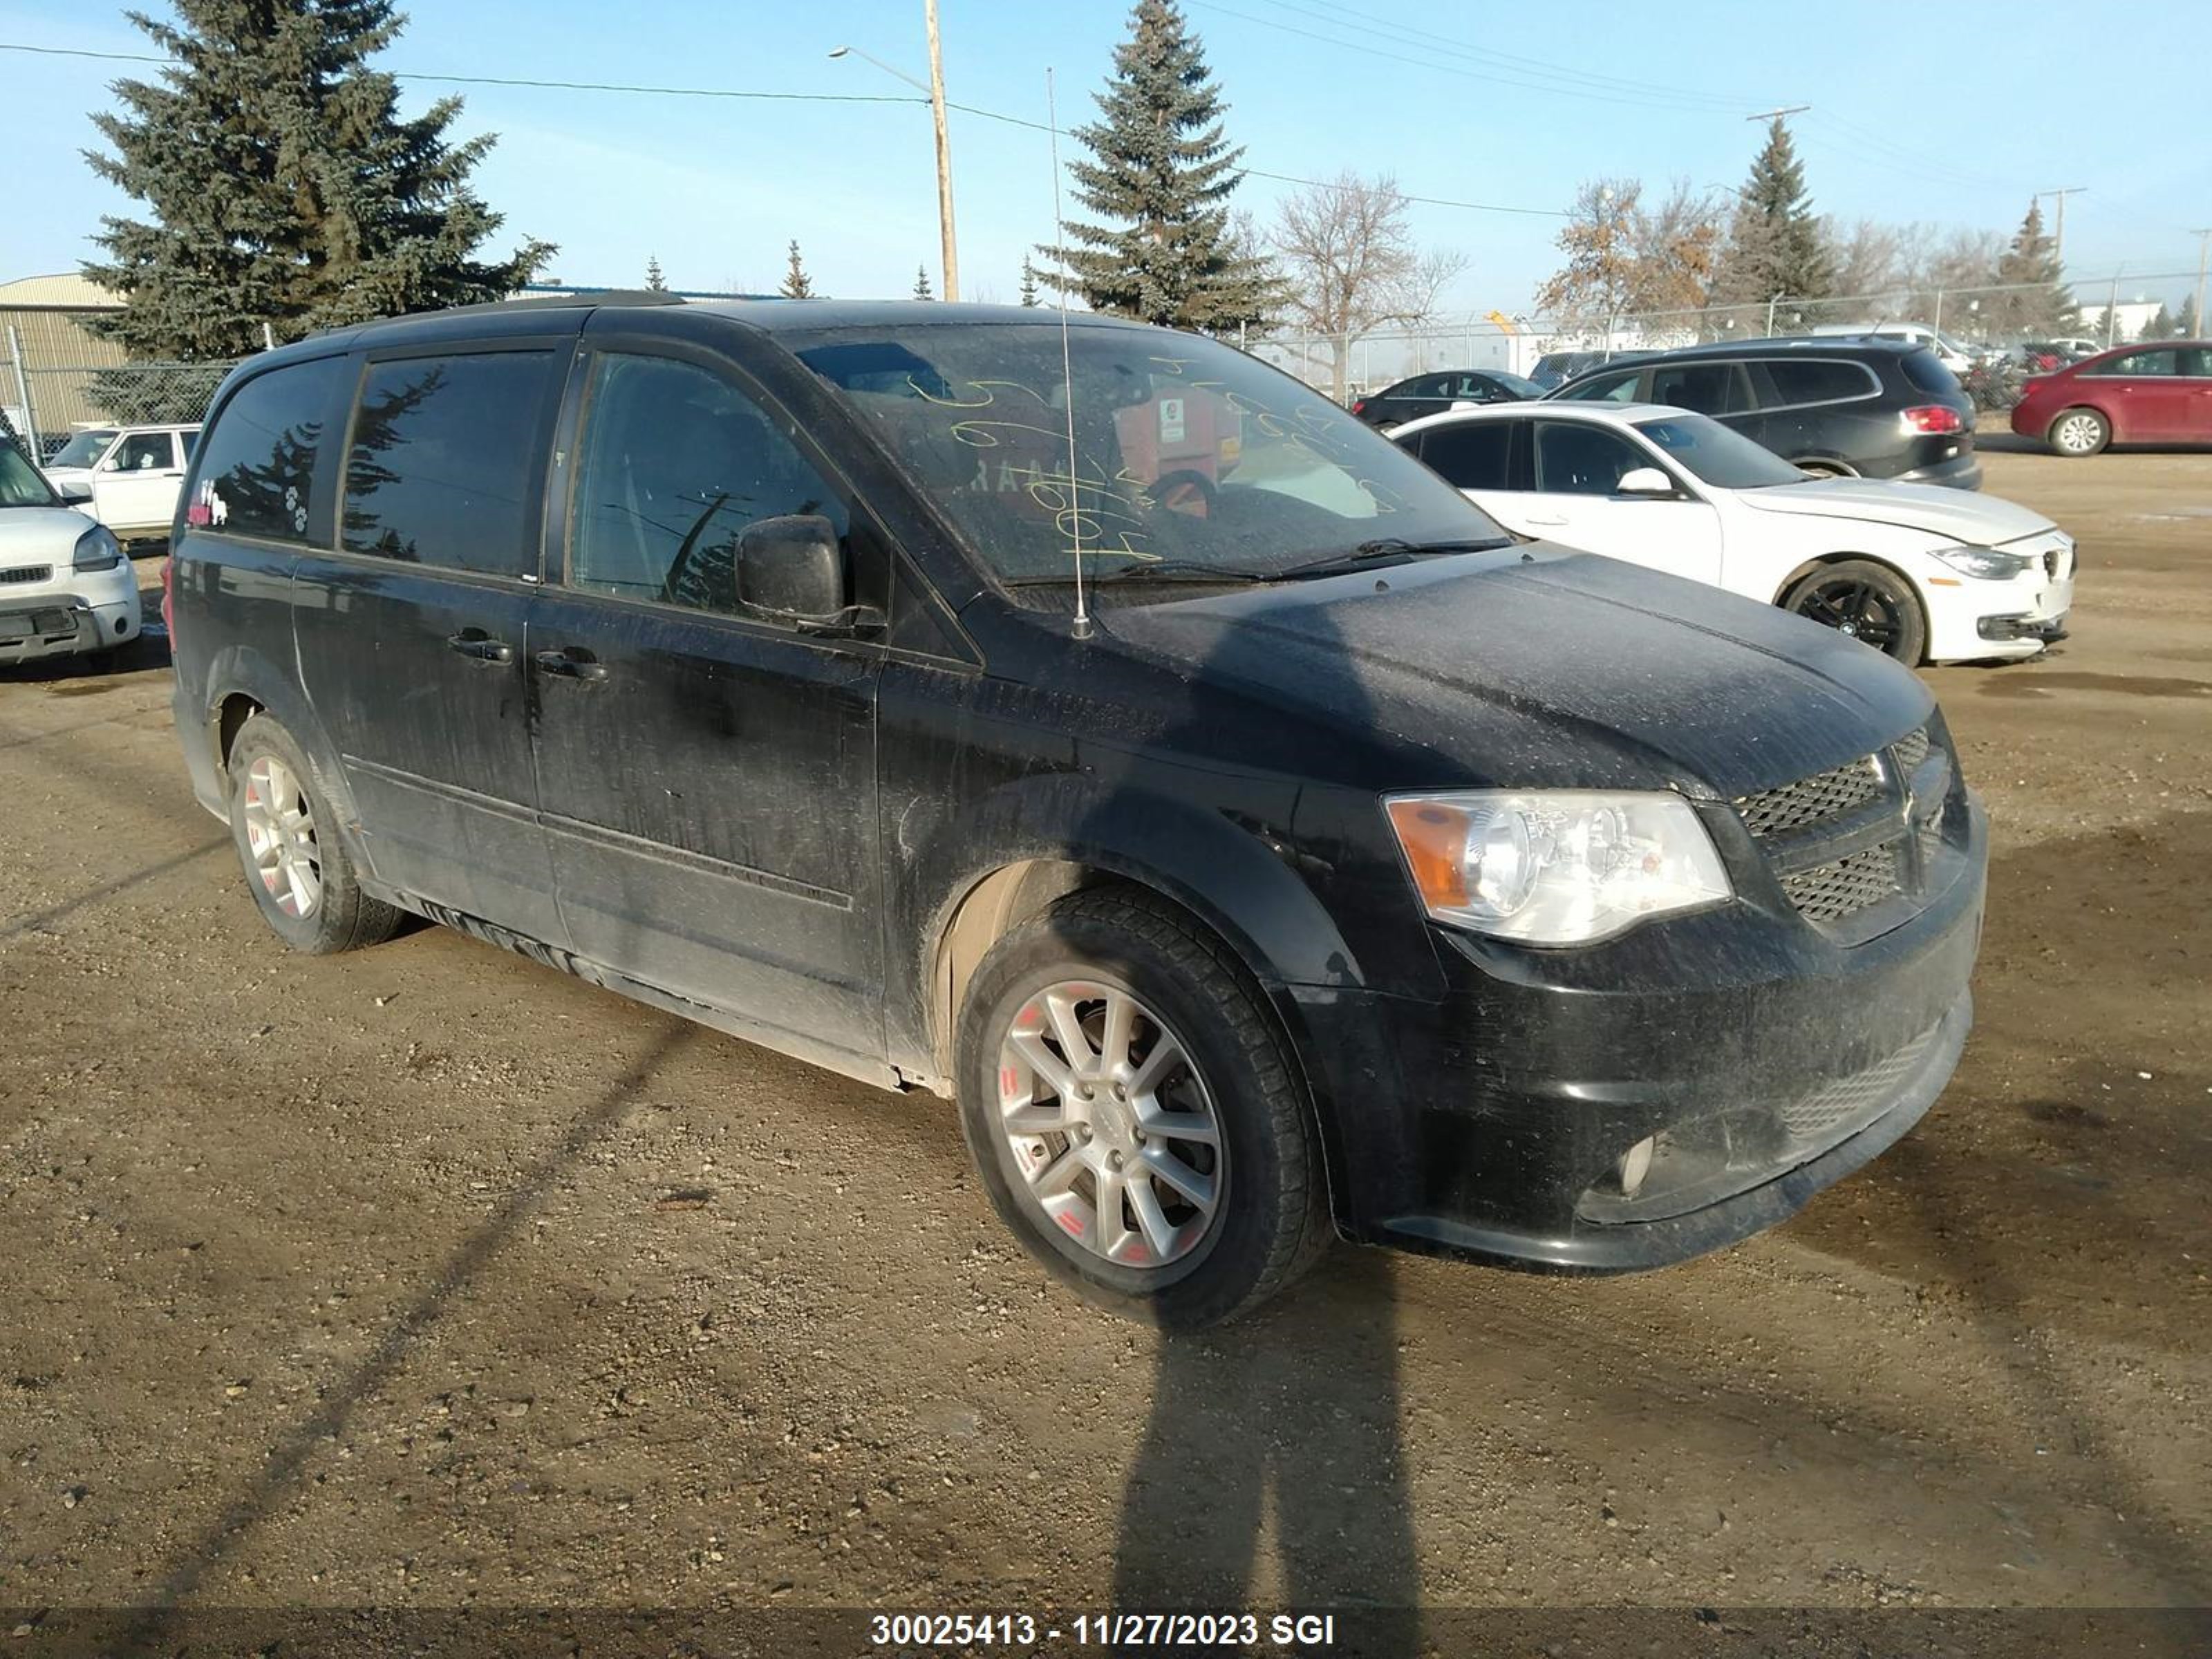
(427, 1277)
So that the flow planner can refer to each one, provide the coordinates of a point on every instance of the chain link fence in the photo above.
(1992, 316)
(43, 406)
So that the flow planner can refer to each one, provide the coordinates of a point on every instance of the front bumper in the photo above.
(63, 624)
(1767, 1060)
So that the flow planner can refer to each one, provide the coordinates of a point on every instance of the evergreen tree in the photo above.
(1029, 284)
(1161, 173)
(922, 290)
(797, 285)
(284, 187)
(1774, 246)
(2035, 303)
(2189, 326)
(2159, 325)
(654, 282)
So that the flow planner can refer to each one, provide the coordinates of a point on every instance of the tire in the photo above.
(2078, 434)
(1170, 1264)
(296, 864)
(1868, 601)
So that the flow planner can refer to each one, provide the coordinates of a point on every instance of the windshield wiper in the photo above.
(1160, 570)
(1392, 549)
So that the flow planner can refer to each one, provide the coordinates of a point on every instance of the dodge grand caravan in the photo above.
(1323, 860)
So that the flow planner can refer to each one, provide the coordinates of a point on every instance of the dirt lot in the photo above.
(427, 1276)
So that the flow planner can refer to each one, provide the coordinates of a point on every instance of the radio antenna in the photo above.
(1081, 626)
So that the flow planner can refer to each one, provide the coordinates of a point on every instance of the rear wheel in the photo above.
(296, 866)
(1870, 602)
(1136, 1115)
(2080, 432)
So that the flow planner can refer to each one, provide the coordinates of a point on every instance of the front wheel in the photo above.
(1870, 602)
(1136, 1116)
(2080, 432)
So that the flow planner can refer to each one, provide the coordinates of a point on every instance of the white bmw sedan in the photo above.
(1924, 573)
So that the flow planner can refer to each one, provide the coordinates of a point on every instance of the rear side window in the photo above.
(1604, 388)
(444, 466)
(1819, 380)
(1928, 374)
(2196, 361)
(258, 462)
(188, 440)
(1702, 388)
(1469, 454)
(2137, 365)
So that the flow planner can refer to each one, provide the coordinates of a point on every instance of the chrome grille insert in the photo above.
(1810, 800)
(1832, 891)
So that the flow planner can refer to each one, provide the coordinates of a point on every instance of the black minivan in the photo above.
(1847, 407)
(1098, 727)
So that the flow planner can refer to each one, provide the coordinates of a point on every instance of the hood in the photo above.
(1535, 667)
(1956, 515)
(58, 475)
(43, 535)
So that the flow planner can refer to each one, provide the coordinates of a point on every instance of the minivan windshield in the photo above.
(84, 448)
(19, 483)
(1193, 461)
(1725, 460)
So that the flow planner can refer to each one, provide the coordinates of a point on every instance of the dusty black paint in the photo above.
(770, 829)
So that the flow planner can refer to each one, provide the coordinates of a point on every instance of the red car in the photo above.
(2138, 394)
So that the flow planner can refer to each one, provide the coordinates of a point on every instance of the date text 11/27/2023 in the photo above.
(1284, 1633)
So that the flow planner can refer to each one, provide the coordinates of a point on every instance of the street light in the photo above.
(935, 88)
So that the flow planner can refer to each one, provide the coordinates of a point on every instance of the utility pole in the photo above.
(1778, 114)
(2059, 234)
(944, 155)
(2203, 242)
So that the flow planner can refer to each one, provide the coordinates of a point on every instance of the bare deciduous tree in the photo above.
(1349, 263)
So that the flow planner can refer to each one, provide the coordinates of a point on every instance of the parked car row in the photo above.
(1256, 839)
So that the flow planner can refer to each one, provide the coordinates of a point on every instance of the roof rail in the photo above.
(604, 296)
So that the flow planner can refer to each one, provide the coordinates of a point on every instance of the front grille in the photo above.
(1830, 892)
(1788, 822)
(1811, 800)
(1910, 751)
(28, 572)
(1810, 1117)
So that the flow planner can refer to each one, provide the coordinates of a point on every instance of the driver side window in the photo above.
(1575, 459)
(675, 463)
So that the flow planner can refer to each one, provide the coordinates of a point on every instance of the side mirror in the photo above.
(793, 568)
(1644, 481)
(1464, 403)
(74, 495)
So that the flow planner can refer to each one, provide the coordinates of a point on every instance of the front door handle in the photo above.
(572, 664)
(478, 645)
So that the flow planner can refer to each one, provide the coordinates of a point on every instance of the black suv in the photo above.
(1321, 860)
(1434, 393)
(1838, 408)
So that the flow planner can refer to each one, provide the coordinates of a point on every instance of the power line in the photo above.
(812, 97)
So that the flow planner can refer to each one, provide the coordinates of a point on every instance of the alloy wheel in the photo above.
(1111, 1124)
(1858, 609)
(2077, 434)
(280, 836)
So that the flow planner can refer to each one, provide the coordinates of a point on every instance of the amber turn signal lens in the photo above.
(1435, 840)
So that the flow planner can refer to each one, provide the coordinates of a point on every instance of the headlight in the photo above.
(1983, 562)
(96, 550)
(1557, 867)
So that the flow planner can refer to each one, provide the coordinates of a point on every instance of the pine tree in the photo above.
(284, 187)
(922, 290)
(2159, 325)
(1161, 174)
(1029, 284)
(654, 282)
(2034, 303)
(797, 285)
(1774, 247)
(2189, 326)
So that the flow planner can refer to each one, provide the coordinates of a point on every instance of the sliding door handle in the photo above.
(474, 644)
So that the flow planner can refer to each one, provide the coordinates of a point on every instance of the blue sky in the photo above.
(1920, 113)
